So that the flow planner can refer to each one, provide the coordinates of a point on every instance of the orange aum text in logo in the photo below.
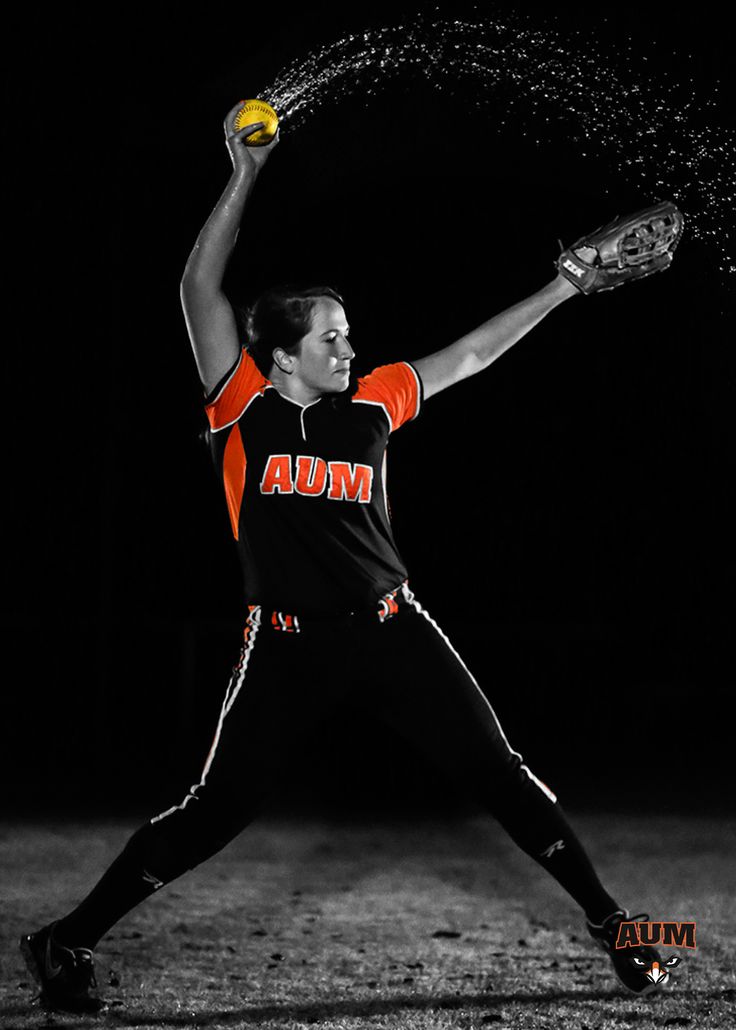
(671, 935)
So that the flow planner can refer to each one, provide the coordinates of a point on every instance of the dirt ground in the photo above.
(390, 922)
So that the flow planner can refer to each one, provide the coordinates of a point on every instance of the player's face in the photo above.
(324, 355)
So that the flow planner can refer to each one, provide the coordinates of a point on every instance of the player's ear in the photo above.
(283, 360)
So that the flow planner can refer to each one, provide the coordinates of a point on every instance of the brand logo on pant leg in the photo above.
(150, 878)
(557, 846)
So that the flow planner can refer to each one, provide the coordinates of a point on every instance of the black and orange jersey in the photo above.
(306, 487)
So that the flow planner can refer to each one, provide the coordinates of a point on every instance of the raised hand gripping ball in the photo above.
(257, 111)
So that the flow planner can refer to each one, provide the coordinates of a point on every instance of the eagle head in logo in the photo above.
(658, 972)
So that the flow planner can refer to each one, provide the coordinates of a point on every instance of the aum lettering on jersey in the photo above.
(311, 476)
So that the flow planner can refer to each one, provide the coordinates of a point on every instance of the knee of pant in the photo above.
(159, 850)
(517, 790)
(538, 787)
(179, 841)
(525, 780)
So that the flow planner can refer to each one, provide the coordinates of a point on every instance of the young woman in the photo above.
(331, 619)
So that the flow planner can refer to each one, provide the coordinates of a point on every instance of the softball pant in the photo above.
(393, 663)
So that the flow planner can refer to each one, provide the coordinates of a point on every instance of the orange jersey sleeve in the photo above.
(235, 394)
(397, 388)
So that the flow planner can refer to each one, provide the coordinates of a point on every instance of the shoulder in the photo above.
(231, 396)
(396, 387)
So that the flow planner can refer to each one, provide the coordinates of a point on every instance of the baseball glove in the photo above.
(629, 247)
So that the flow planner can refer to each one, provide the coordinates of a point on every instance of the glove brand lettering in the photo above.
(311, 476)
(575, 269)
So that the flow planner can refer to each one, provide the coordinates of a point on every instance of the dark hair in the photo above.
(280, 317)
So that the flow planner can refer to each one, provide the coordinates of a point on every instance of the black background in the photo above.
(567, 517)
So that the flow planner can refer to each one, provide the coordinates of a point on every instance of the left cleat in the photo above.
(66, 976)
(639, 968)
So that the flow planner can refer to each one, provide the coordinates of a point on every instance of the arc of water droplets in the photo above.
(646, 127)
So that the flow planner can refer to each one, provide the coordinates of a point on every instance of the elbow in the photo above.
(473, 362)
(189, 280)
(186, 293)
(193, 287)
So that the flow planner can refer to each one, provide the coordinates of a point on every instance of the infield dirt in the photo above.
(387, 923)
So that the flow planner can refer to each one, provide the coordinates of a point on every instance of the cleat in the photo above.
(639, 969)
(66, 976)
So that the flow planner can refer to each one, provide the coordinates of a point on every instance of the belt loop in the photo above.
(388, 606)
(253, 619)
(286, 623)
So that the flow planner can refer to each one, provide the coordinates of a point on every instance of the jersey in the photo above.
(306, 487)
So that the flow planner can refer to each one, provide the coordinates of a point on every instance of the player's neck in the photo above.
(292, 387)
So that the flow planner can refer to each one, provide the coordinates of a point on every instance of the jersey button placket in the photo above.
(301, 417)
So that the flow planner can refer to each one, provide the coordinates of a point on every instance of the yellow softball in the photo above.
(257, 111)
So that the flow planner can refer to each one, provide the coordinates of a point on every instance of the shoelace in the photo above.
(84, 964)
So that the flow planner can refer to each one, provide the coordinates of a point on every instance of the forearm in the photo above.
(211, 252)
(483, 345)
(477, 349)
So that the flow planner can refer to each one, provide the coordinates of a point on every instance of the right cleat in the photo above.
(639, 969)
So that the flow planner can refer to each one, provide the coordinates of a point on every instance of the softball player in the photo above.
(331, 619)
